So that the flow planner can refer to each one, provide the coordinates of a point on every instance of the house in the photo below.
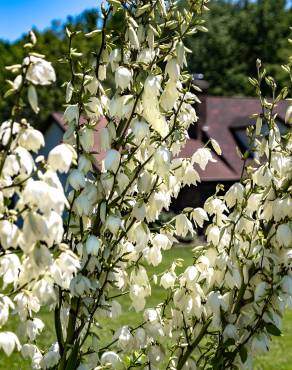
(223, 118)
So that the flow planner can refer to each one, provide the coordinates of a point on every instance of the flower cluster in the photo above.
(33, 257)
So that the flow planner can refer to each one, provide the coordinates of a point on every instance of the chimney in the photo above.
(195, 130)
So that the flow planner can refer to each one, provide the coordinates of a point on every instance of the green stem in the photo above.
(183, 359)
(70, 332)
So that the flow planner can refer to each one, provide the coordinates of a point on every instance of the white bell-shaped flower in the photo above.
(61, 157)
(39, 72)
(112, 160)
(123, 77)
(9, 342)
(92, 245)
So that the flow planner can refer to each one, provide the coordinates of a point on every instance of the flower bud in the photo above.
(133, 38)
(114, 58)
(32, 97)
(169, 95)
(69, 91)
(102, 72)
(180, 51)
(122, 181)
(216, 146)
(172, 69)
(162, 159)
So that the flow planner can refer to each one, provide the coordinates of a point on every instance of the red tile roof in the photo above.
(214, 171)
(223, 114)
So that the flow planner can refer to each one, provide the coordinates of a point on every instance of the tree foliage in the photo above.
(240, 32)
(51, 43)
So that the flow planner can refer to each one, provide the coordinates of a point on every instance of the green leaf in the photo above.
(229, 342)
(243, 354)
(73, 358)
(272, 329)
(8, 93)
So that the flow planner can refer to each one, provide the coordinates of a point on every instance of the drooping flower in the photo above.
(123, 77)
(39, 72)
(183, 225)
(234, 194)
(199, 215)
(31, 139)
(172, 69)
(61, 157)
(111, 358)
(284, 235)
(202, 156)
(76, 179)
(113, 224)
(168, 280)
(8, 342)
(92, 245)
(112, 160)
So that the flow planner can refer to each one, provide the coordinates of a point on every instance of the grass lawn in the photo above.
(279, 357)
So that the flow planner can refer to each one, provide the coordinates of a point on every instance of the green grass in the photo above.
(279, 357)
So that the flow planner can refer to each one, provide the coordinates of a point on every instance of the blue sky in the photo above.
(18, 16)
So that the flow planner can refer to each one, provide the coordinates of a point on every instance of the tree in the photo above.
(218, 311)
(52, 43)
(240, 32)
